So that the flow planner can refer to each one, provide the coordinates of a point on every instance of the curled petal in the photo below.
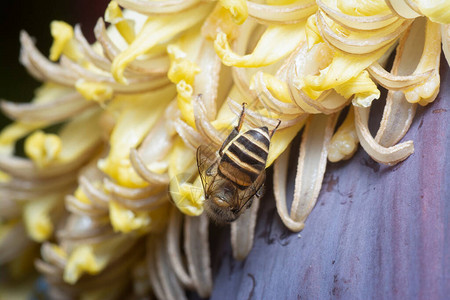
(243, 231)
(79, 142)
(75, 206)
(367, 22)
(93, 259)
(395, 82)
(95, 194)
(173, 248)
(399, 113)
(132, 126)
(38, 216)
(389, 156)
(342, 68)
(164, 281)
(94, 57)
(140, 167)
(197, 252)
(426, 91)
(203, 125)
(265, 94)
(266, 52)
(361, 43)
(82, 229)
(157, 65)
(160, 29)
(104, 85)
(145, 204)
(50, 71)
(408, 57)
(281, 14)
(190, 137)
(403, 8)
(52, 112)
(310, 171)
(237, 8)
(130, 193)
(54, 254)
(207, 81)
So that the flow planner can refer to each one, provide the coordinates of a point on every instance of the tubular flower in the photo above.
(115, 188)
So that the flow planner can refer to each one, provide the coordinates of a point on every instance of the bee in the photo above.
(234, 174)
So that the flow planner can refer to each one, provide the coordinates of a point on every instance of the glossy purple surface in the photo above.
(376, 232)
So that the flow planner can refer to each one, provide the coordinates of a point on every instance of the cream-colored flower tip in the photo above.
(113, 193)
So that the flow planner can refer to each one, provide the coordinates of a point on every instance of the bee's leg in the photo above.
(235, 131)
(257, 195)
(275, 129)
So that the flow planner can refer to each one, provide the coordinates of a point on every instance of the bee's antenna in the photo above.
(241, 117)
(275, 129)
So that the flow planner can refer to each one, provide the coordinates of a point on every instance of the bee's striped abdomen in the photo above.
(246, 157)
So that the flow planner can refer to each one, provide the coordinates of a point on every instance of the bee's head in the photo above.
(223, 205)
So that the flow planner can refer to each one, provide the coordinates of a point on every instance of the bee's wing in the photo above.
(248, 193)
(207, 165)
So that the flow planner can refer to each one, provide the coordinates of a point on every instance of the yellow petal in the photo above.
(362, 7)
(63, 42)
(137, 115)
(364, 89)
(181, 68)
(95, 91)
(276, 86)
(220, 20)
(237, 8)
(93, 258)
(11, 133)
(43, 148)
(427, 90)
(79, 135)
(126, 220)
(83, 260)
(113, 15)
(81, 196)
(343, 67)
(156, 30)
(62, 33)
(276, 42)
(312, 32)
(281, 140)
(436, 10)
(186, 196)
(36, 215)
(184, 102)
(345, 141)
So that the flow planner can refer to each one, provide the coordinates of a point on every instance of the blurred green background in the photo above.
(35, 17)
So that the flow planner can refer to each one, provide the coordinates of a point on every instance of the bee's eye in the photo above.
(220, 202)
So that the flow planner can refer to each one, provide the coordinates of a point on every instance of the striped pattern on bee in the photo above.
(245, 157)
(234, 174)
